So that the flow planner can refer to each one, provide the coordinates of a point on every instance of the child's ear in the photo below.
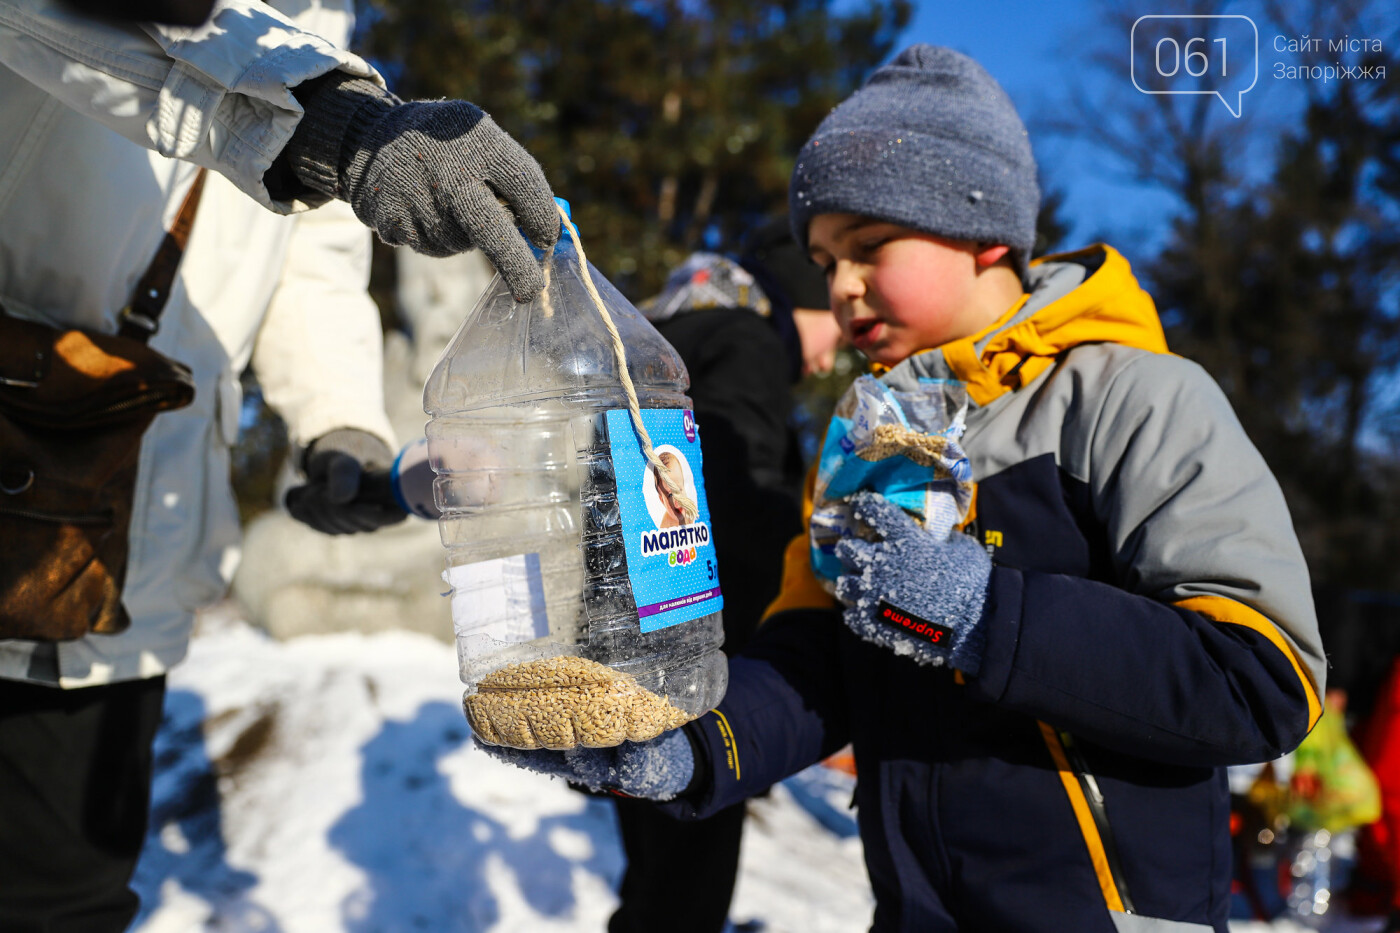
(989, 254)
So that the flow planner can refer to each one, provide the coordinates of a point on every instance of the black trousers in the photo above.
(75, 788)
(680, 875)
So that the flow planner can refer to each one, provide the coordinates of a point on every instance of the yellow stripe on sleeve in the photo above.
(1222, 609)
(731, 745)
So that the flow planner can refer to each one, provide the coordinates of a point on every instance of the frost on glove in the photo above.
(657, 769)
(438, 176)
(911, 592)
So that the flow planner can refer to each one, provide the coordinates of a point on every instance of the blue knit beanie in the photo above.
(931, 142)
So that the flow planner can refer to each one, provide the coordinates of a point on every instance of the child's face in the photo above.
(896, 291)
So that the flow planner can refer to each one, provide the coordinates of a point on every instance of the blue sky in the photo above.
(1023, 45)
(1037, 49)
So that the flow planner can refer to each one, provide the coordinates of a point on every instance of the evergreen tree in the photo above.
(1291, 298)
(1288, 290)
(669, 126)
(1051, 225)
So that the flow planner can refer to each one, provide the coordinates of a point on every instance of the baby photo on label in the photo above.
(671, 508)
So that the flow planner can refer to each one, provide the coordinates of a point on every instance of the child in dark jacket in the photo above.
(1125, 613)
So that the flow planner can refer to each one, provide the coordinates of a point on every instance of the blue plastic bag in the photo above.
(903, 445)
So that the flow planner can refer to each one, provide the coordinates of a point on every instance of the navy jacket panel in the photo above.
(964, 817)
(1155, 681)
(1066, 644)
(784, 710)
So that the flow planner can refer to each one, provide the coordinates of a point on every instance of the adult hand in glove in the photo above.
(428, 174)
(658, 769)
(911, 592)
(332, 500)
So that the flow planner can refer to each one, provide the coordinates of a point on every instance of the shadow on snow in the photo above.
(427, 855)
(185, 842)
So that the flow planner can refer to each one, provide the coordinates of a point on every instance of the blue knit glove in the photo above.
(910, 592)
(657, 769)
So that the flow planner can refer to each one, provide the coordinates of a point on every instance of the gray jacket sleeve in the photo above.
(1195, 518)
(1202, 648)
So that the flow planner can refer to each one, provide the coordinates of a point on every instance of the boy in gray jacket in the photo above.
(1043, 706)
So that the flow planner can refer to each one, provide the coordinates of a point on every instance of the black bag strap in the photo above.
(140, 319)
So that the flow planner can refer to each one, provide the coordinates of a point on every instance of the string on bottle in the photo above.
(674, 485)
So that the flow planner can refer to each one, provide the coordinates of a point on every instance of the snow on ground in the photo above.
(329, 783)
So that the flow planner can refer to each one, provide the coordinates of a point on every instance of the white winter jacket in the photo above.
(82, 210)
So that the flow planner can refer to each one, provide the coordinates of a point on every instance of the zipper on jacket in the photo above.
(1094, 797)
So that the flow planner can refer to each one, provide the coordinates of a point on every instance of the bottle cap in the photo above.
(563, 234)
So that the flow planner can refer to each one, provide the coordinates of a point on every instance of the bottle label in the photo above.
(670, 555)
(501, 598)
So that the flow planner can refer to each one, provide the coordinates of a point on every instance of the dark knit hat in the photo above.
(931, 142)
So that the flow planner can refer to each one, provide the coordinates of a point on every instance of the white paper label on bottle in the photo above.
(501, 598)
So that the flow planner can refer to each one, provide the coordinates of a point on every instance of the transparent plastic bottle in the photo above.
(530, 517)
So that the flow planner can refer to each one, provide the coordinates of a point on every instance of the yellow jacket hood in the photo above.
(1087, 296)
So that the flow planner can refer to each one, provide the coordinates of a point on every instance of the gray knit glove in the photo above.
(912, 593)
(658, 769)
(427, 174)
(333, 500)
